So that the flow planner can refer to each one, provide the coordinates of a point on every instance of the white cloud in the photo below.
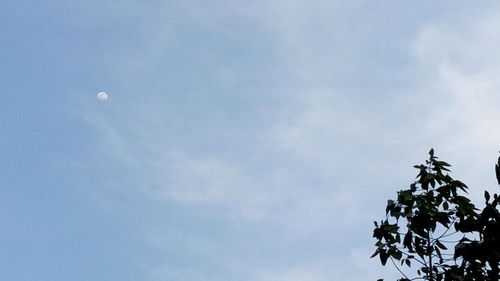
(460, 68)
(328, 154)
(305, 162)
(354, 266)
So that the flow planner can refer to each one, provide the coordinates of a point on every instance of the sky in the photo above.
(241, 140)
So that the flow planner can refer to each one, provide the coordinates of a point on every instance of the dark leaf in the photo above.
(383, 257)
(440, 245)
(407, 240)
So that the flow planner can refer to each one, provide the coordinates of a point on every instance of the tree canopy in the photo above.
(432, 230)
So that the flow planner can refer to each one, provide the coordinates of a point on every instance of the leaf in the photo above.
(383, 257)
(440, 245)
(407, 239)
(390, 206)
(442, 163)
(397, 255)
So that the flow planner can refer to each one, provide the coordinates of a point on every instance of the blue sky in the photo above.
(242, 140)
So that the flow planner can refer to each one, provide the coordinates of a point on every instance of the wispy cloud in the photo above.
(458, 64)
(316, 153)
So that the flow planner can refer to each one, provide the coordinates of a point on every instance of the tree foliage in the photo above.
(433, 231)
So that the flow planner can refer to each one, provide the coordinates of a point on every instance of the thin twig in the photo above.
(392, 260)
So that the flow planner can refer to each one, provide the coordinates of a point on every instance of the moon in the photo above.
(102, 96)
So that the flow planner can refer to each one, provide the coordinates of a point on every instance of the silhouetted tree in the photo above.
(433, 231)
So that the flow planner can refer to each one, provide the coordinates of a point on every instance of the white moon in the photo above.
(102, 96)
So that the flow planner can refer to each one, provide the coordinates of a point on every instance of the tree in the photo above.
(433, 231)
